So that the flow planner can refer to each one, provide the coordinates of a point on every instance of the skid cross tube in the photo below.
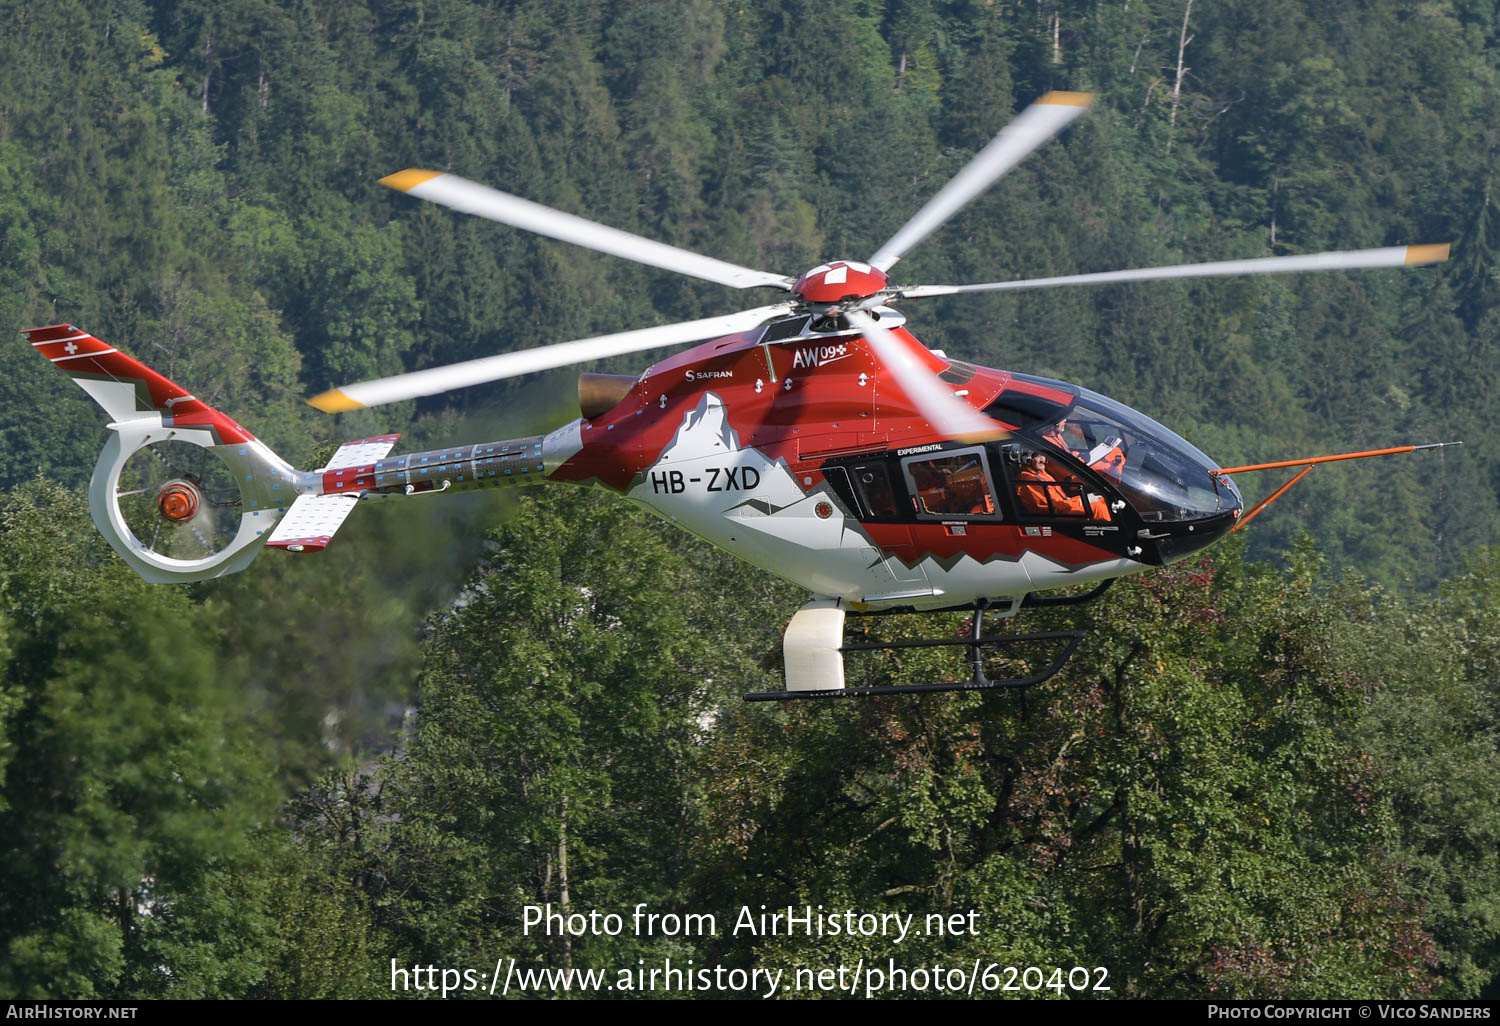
(976, 642)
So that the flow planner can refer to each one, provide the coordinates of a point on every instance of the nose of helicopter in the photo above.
(1175, 541)
(1199, 509)
(1182, 503)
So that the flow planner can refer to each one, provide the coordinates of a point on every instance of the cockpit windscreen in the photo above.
(1160, 473)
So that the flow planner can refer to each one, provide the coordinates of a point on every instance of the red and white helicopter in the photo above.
(815, 438)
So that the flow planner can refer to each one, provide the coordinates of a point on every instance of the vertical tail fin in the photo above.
(125, 388)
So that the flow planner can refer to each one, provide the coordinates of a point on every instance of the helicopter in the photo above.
(814, 437)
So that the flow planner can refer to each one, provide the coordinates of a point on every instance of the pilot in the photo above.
(1041, 486)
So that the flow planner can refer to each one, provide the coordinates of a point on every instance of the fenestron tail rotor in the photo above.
(181, 491)
(178, 500)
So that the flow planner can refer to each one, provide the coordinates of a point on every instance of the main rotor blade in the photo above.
(1393, 256)
(509, 365)
(1037, 123)
(946, 412)
(473, 198)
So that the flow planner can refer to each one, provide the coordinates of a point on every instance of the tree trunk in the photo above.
(1182, 44)
(208, 53)
(562, 882)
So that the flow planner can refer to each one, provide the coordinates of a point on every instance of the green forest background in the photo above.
(1268, 772)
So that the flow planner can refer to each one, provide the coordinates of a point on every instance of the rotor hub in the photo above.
(178, 501)
(838, 281)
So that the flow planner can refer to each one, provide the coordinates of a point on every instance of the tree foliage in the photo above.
(134, 799)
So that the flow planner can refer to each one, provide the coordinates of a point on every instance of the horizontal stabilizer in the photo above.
(362, 451)
(311, 521)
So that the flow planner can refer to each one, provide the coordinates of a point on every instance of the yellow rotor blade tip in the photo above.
(1065, 99)
(334, 401)
(975, 437)
(1434, 253)
(409, 179)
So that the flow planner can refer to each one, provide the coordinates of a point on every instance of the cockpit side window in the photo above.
(1044, 487)
(951, 484)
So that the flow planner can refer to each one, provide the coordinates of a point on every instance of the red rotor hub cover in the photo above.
(829, 283)
(178, 501)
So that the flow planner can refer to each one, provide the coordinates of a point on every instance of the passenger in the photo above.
(971, 492)
(930, 491)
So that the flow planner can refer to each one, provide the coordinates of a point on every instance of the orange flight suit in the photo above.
(1034, 497)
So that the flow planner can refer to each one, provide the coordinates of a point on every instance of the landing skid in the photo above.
(977, 642)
